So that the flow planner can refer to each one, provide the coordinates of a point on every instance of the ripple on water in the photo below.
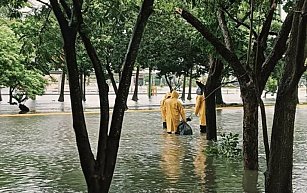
(39, 155)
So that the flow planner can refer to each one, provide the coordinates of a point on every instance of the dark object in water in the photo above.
(164, 125)
(23, 109)
(184, 129)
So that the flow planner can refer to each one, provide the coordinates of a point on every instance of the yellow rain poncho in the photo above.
(200, 109)
(162, 106)
(174, 110)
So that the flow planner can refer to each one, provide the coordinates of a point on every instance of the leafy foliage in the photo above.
(26, 83)
(227, 147)
(271, 86)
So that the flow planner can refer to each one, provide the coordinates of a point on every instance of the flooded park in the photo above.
(39, 153)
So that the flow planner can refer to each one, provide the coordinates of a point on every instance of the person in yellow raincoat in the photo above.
(200, 109)
(162, 109)
(174, 111)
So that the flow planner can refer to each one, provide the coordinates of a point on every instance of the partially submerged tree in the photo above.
(279, 172)
(252, 76)
(98, 172)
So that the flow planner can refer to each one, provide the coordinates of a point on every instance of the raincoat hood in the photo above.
(175, 94)
(167, 95)
(199, 91)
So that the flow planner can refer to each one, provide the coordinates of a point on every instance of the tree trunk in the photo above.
(149, 83)
(168, 83)
(82, 84)
(212, 84)
(11, 95)
(84, 88)
(279, 176)
(190, 86)
(98, 174)
(111, 77)
(123, 89)
(0, 95)
(279, 172)
(136, 85)
(62, 87)
(250, 128)
(69, 33)
(183, 87)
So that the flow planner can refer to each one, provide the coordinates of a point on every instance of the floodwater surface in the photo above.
(39, 154)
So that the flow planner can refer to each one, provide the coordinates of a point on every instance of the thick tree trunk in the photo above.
(183, 87)
(250, 128)
(279, 173)
(211, 86)
(190, 85)
(136, 85)
(62, 87)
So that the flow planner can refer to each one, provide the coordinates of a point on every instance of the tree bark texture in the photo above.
(211, 86)
(279, 172)
(250, 128)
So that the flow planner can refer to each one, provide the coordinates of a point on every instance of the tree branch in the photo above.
(228, 55)
(224, 28)
(278, 50)
(263, 36)
(59, 14)
(44, 3)
(66, 8)
(239, 23)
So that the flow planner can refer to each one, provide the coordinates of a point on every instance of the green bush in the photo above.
(227, 146)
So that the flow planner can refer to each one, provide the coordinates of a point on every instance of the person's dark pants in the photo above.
(203, 128)
(164, 125)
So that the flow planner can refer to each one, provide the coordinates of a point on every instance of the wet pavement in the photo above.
(49, 101)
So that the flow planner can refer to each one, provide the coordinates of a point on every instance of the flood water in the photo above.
(39, 154)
